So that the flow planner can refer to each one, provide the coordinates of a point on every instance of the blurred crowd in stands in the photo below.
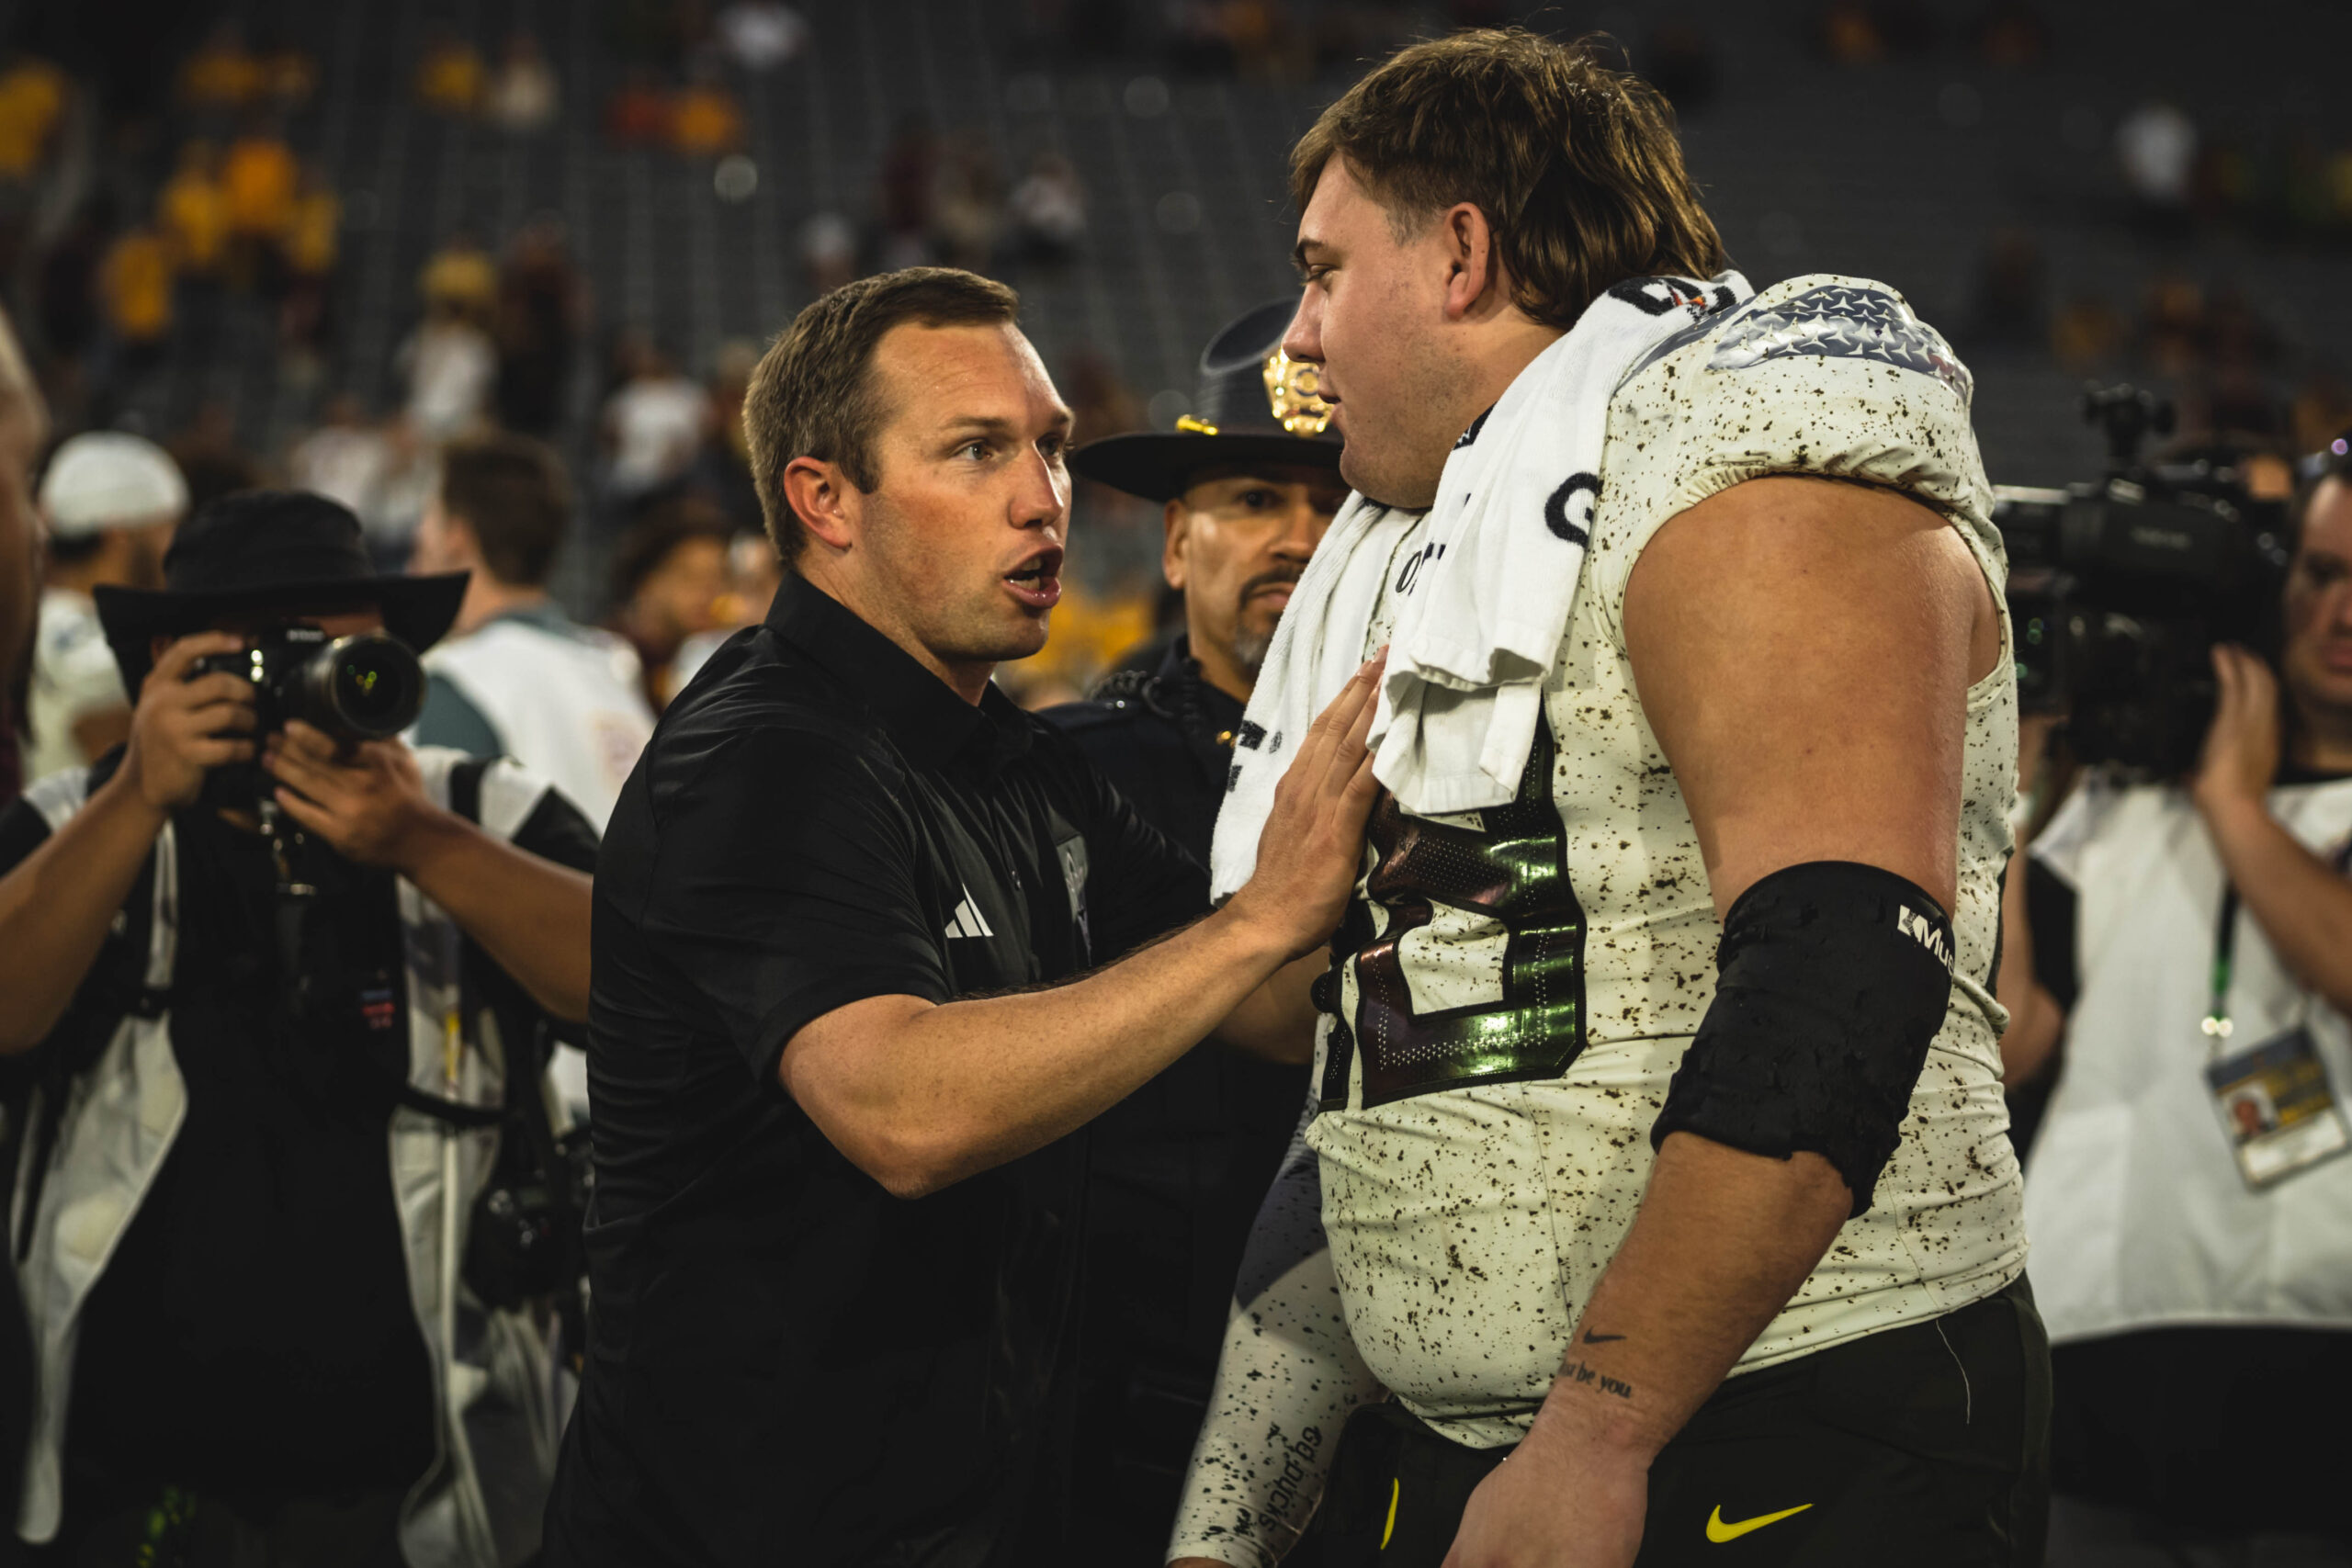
(2211, 345)
(134, 279)
(2177, 174)
(132, 243)
(237, 211)
(505, 331)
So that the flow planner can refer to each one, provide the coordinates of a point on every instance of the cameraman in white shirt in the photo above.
(2191, 1223)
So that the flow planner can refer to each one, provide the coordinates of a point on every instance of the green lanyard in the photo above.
(2225, 943)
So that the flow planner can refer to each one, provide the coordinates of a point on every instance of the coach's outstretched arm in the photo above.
(919, 1095)
(1804, 652)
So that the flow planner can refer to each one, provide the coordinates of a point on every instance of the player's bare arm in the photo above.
(1804, 652)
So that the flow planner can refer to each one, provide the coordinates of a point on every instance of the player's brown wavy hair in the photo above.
(1576, 166)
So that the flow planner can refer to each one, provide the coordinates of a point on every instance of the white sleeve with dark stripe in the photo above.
(1286, 1382)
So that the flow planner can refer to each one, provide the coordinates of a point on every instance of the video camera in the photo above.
(2119, 590)
(367, 686)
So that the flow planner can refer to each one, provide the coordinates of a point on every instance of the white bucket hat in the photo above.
(103, 479)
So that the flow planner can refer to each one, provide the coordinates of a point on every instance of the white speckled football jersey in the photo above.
(1524, 980)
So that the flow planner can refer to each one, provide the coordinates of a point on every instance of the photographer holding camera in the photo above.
(276, 993)
(2192, 1231)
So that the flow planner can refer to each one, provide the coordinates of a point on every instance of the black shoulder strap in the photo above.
(465, 787)
(465, 799)
(455, 1112)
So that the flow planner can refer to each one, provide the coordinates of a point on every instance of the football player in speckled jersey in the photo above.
(1655, 1203)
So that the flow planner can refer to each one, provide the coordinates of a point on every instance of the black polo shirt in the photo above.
(788, 1364)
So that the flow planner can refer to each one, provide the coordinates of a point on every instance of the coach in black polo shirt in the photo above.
(835, 1078)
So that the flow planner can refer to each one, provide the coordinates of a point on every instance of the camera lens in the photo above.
(370, 686)
(365, 689)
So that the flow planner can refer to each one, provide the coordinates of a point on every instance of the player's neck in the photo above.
(1509, 346)
(1466, 374)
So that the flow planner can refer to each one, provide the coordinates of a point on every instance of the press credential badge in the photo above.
(2277, 1107)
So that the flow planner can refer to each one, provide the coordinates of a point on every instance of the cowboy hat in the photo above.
(1253, 404)
(269, 549)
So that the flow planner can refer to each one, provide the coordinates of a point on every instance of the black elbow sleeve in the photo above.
(1832, 978)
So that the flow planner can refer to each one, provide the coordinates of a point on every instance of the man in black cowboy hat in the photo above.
(1248, 483)
(239, 969)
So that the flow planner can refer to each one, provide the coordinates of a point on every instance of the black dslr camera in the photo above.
(369, 686)
(2119, 590)
(364, 687)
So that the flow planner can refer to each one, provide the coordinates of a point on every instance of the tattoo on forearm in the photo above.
(1576, 1372)
(1592, 1339)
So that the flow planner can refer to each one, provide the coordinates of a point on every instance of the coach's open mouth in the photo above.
(1037, 580)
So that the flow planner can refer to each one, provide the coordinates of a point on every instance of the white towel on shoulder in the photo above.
(1479, 621)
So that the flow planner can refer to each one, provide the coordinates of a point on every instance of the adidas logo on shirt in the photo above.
(967, 920)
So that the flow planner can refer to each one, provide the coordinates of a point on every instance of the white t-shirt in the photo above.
(73, 674)
(564, 700)
(2139, 1216)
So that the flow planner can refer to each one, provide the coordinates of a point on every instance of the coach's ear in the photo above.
(825, 501)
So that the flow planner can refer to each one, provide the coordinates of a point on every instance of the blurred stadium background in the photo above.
(303, 241)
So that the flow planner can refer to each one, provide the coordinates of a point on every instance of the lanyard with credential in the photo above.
(2225, 944)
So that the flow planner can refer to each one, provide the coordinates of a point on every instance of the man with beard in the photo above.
(1659, 1170)
(1250, 481)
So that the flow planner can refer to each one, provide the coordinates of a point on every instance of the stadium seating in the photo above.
(1808, 166)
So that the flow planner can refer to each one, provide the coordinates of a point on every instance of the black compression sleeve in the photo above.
(1832, 978)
